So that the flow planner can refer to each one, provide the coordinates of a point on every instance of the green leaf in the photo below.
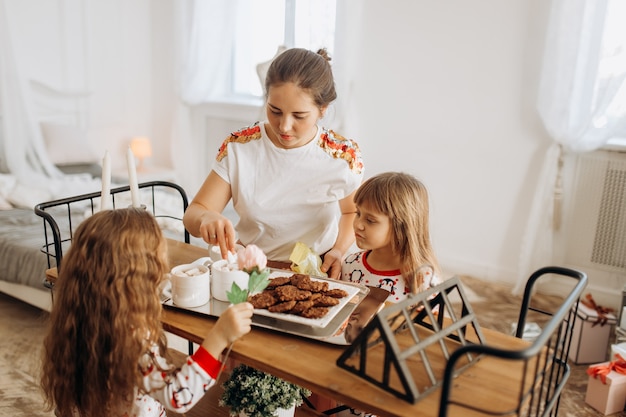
(258, 281)
(236, 295)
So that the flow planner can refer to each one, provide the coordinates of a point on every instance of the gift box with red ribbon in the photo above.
(592, 331)
(606, 388)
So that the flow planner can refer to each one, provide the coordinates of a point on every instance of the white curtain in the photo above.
(207, 38)
(345, 63)
(204, 33)
(23, 154)
(22, 150)
(575, 106)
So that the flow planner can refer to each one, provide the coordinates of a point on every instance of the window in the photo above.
(262, 27)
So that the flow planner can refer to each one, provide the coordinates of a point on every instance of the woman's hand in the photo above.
(332, 263)
(203, 218)
(232, 324)
(216, 229)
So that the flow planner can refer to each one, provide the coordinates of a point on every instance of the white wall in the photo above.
(443, 90)
(120, 73)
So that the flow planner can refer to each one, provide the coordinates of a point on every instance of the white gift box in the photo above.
(618, 349)
(590, 339)
(607, 398)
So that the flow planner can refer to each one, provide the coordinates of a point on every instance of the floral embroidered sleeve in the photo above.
(179, 389)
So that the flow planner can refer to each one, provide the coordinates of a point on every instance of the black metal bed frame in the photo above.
(55, 237)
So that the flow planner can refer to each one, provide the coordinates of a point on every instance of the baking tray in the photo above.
(366, 298)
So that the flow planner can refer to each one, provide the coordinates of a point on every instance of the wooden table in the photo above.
(312, 364)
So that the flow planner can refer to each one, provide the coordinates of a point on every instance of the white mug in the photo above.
(205, 260)
(191, 285)
(222, 278)
(216, 255)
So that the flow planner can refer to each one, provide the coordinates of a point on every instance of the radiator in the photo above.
(596, 224)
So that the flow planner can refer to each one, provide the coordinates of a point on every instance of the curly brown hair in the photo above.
(106, 314)
(404, 199)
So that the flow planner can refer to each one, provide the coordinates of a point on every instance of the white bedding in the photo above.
(21, 238)
(23, 265)
(17, 194)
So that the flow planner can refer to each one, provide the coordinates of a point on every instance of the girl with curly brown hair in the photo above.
(104, 354)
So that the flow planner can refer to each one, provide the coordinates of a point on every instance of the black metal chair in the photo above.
(544, 361)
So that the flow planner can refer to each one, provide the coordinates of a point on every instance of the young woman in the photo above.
(104, 351)
(290, 179)
(391, 227)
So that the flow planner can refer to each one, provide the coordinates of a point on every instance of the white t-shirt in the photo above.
(284, 196)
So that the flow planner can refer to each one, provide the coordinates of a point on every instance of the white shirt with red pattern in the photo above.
(176, 389)
(356, 269)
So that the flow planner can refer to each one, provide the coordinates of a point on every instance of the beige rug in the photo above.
(21, 331)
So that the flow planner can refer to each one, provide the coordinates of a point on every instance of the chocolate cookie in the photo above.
(282, 307)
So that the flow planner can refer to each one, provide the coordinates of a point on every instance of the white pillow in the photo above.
(67, 144)
(23, 196)
(7, 183)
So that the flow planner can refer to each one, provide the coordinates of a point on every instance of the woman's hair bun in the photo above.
(324, 54)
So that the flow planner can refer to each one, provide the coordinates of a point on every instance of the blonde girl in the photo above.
(391, 227)
(104, 354)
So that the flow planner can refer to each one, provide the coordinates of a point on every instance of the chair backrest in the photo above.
(544, 362)
(167, 202)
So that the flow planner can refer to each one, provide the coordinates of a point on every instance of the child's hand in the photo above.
(233, 323)
(332, 264)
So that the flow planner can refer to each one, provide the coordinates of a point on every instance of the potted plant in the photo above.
(253, 393)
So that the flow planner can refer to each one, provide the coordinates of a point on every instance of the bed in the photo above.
(58, 124)
(23, 264)
(25, 249)
(33, 240)
(22, 234)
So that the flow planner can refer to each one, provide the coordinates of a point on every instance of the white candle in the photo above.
(132, 178)
(105, 196)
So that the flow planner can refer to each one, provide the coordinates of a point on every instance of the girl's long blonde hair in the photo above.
(404, 199)
(106, 313)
